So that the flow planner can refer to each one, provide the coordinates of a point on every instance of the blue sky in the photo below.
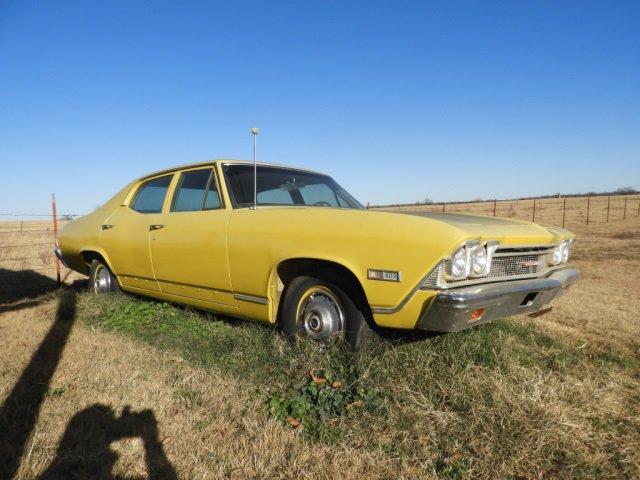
(397, 100)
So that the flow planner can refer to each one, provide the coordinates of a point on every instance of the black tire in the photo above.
(357, 326)
(101, 279)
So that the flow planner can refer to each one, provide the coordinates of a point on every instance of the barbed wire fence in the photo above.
(27, 260)
(559, 211)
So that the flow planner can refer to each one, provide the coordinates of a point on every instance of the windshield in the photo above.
(283, 186)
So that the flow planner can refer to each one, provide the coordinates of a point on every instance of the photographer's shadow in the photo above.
(85, 449)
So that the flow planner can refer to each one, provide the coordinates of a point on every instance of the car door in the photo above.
(189, 250)
(125, 234)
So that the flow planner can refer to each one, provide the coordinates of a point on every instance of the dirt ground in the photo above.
(72, 391)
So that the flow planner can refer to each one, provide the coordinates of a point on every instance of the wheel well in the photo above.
(325, 270)
(89, 255)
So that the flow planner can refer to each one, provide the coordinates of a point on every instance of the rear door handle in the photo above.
(156, 227)
(106, 226)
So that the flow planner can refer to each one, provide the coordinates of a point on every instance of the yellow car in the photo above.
(291, 247)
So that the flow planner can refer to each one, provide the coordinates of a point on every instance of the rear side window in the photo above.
(151, 194)
(212, 201)
(191, 189)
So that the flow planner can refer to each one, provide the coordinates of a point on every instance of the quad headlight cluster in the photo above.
(471, 260)
(560, 254)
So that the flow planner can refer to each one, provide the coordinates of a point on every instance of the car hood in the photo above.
(507, 230)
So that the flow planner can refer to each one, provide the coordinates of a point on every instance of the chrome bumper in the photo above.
(58, 253)
(453, 310)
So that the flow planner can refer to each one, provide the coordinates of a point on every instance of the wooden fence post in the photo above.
(624, 215)
(588, 205)
(55, 232)
(21, 226)
(608, 205)
(494, 207)
(443, 208)
(564, 209)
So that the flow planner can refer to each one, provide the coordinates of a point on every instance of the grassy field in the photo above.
(123, 386)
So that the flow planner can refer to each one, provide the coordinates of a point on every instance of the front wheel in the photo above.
(320, 310)
(101, 280)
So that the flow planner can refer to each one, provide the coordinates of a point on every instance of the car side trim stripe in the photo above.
(251, 298)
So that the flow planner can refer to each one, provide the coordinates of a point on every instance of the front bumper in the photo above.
(460, 308)
(58, 253)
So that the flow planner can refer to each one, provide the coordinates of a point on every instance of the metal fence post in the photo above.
(624, 215)
(55, 232)
(564, 209)
(588, 205)
(533, 217)
(608, 205)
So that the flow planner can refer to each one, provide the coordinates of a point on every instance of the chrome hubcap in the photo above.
(102, 280)
(320, 316)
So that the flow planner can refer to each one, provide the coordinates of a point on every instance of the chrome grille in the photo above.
(517, 265)
(433, 279)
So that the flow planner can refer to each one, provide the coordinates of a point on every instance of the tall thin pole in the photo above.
(608, 205)
(55, 232)
(254, 132)
(564, 210)
(624, 215)
(494, 207)
(533, 217)
(588, 206)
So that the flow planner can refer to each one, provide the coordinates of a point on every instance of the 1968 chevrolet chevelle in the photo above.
(298, 251)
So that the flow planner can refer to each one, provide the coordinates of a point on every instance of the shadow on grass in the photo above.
(84, 451)
(23, 286)
(20, 410)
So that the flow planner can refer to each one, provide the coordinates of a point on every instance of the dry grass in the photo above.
(555, 397)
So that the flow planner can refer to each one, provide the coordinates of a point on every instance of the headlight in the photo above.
(457, 267)
(479, 263)
(560, 254)
(470, 260)
(565, 247)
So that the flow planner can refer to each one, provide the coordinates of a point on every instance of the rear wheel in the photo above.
(101, 280)
(323, 311)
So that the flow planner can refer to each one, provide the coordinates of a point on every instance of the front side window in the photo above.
(284, 186)
(151, 194)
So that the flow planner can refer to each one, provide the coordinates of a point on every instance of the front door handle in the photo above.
(105, 226)
(156, 227)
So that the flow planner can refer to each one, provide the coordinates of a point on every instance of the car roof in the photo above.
(226, 162)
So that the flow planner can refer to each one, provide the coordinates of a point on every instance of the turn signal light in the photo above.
(476, 315)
